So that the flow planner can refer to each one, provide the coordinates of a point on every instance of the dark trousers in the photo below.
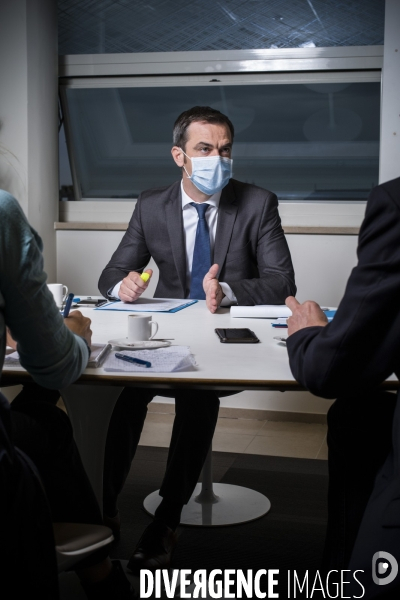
(26, 531)
(193, 430)
(44, 433)
(359, 440)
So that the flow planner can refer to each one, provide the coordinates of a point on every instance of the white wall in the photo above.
(13, 95)
(29, 113)
(322, 265)
(389, 163)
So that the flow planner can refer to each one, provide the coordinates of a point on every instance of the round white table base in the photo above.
(228, 505)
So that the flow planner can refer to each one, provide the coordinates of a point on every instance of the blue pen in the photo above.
(68, 305)
(138, 361)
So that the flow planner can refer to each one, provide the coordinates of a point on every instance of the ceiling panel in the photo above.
(113, 26)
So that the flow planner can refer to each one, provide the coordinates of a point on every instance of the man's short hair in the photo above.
(193, 115)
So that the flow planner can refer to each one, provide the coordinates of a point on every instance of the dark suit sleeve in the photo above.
(132, 254)
(276, 276)
(360, 348)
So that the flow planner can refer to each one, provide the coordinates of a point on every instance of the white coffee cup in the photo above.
(59, 292)
(140, 328)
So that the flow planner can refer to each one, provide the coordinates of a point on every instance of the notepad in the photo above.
(97, 356)
(148, 305)
(163, 360)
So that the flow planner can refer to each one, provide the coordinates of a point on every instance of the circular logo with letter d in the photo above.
(384, 568)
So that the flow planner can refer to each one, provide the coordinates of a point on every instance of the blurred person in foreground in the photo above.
(54, 351)
(348, 359)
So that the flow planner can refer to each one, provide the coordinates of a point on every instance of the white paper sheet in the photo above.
(163, 360)
(12, 358)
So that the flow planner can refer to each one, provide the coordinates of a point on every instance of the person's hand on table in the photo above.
(308, 314)
(133, 286)
(10, 340)
(79, 325)
(212, 289)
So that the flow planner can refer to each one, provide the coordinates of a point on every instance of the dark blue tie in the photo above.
(201, 254)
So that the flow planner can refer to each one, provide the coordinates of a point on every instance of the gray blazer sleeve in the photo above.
(48, 350)
(132, 254)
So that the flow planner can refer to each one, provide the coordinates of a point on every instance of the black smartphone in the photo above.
(237, 336)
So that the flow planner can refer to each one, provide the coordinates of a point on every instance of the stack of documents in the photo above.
(261, 311)
(270, 311)
(163, 360)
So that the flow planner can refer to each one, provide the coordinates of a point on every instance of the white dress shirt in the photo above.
(190, 220)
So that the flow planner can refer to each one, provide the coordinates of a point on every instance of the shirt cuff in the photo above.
(114, 292)
(229, 297)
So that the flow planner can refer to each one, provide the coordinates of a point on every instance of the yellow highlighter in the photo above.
(145, 277)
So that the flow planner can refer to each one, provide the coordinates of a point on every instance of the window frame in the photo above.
(238, 67)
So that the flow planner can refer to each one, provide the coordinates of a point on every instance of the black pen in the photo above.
(68, 303)
(138, 361)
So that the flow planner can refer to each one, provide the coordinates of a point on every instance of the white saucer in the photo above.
(123, 344)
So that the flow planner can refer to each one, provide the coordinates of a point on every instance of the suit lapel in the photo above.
(226, 219)
(174, 218)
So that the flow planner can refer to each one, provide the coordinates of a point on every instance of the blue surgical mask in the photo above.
(210, 173)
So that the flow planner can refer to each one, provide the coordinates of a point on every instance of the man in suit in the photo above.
(348, 359)
(212, 238)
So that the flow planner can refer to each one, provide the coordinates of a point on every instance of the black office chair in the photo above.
(33, 549)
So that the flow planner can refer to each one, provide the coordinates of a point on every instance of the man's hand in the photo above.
(213, 290)
(307, 314)
(133, 286)
(80, 325)
(10, 340)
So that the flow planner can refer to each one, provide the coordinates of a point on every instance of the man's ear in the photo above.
(178, 156)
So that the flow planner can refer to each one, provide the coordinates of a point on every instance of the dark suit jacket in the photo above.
(357, 352)
(380, 527)
(250, 246)
(360, 348)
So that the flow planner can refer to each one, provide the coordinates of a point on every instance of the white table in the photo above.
(238, 367)
(219, 364)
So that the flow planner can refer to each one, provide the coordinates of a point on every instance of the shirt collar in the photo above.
(212, 201)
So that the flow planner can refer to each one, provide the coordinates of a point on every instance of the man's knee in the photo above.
(197, 403)
(133, 401)
(365, 410)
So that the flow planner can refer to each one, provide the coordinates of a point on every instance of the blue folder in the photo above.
(136, 307)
